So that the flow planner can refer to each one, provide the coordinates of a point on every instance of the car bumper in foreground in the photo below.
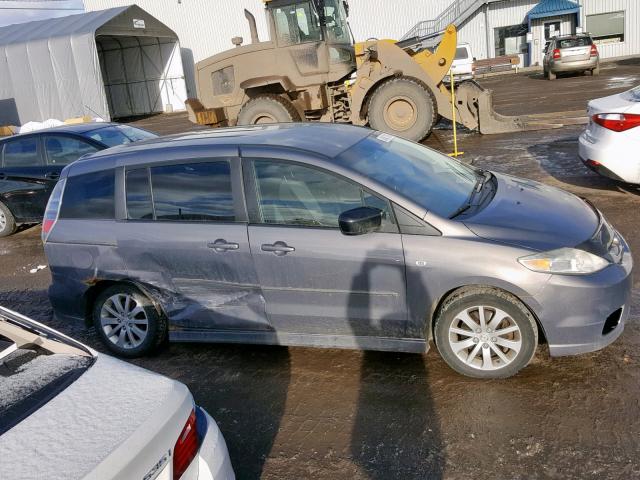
(610, 156)
(213, 461)
(584, 313)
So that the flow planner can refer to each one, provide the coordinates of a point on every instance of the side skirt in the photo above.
(384, 344)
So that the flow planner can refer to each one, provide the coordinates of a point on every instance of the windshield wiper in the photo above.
(483, 178)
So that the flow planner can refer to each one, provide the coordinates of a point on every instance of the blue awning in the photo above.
(552, 8)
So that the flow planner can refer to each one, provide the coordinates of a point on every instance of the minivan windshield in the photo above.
(434, 181)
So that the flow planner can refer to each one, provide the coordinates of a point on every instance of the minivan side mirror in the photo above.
(360, 220)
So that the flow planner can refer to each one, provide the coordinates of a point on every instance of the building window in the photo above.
(511, 40)
(551, 29)
(606, 27)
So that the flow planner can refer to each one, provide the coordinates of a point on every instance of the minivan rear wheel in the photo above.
(7, 221)
(484, 332)
(127, 322)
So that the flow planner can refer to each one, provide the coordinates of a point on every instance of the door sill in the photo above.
(384, 344)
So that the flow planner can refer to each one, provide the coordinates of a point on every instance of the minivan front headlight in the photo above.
(567, 261)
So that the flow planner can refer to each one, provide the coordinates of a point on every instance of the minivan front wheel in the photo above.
(485, 333)
(127, 322)
(7, 222)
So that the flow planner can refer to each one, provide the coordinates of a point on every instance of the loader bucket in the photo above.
(475, 111)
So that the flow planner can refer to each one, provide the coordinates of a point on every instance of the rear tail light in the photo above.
(53, 210)
(594, 50)
(618, 122)
(186, 447)
(556, 53)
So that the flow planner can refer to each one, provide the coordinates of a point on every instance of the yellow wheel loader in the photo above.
(310, 70)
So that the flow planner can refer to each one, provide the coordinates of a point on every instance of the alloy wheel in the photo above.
(485, 338)
(124, 321)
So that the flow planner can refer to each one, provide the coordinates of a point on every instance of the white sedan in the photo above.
(67, 412)
(611, 143)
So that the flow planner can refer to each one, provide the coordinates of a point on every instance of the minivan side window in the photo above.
(193, 192)
(21, 153)
(139, 203)
(292, 194)
(61, 150)
(90, 195)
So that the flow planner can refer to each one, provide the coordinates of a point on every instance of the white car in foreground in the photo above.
(611, 143)
(68, 412)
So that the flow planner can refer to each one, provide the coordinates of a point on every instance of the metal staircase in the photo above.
(426, 33)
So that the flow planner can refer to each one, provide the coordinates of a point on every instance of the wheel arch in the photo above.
(100, 286)
(437, 306)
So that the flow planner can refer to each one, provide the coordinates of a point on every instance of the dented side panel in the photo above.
(197, 285)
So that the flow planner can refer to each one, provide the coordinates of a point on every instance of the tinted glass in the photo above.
(429, 178)
(119, 135)
(61, 150)
(89, 196)
(461, 53)
(290, 194)
(21, 153)
(575, 42)
(139, 205)
(193, 192)
(297, 23)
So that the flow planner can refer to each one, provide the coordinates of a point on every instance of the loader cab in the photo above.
(315, 33)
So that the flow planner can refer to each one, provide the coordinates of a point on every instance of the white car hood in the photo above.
(79, 428)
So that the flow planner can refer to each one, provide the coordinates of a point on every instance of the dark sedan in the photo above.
(30, 165)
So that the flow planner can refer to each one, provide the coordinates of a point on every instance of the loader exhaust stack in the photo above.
(252, 26)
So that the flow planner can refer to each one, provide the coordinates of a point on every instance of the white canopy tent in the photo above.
(113, 63)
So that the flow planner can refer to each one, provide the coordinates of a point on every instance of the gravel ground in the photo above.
(291, 413)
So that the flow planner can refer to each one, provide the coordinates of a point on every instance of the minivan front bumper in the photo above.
(584, 313)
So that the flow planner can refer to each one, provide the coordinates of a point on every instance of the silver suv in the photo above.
(570, 53)
(330, 236)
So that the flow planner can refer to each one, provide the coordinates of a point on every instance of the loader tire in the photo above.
(267, 108)
(403, 106)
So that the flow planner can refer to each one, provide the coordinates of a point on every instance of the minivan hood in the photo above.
(535, 216)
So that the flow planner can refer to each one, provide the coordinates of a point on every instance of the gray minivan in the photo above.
(330, 236)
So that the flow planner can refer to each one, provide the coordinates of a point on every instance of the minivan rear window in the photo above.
(194, 192)
(90, 195)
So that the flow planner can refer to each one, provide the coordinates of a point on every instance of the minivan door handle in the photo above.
(52, 175)
(221, 245)
(278, 248)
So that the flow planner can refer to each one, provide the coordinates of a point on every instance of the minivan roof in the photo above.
(326, 139)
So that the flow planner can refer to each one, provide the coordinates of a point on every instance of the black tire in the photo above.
(517, 314)
(551, 75)
(403, 106)
(267, 108)
(156, 330)
(7, 221)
